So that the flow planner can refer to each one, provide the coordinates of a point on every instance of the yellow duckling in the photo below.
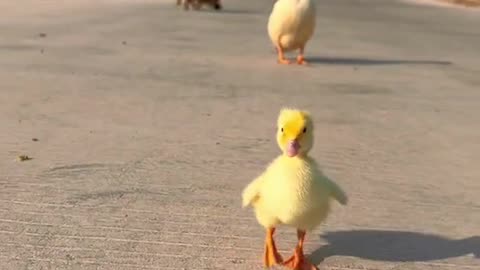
(290, 26)
(292, 190)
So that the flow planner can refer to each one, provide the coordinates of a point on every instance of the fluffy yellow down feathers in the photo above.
(292, 190)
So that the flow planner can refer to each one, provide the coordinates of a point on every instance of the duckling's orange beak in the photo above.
(293, 147)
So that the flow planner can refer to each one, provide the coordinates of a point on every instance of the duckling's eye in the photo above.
(281, 129)
(304, 130)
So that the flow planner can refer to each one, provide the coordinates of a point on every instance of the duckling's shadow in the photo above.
(394, 246)
(371, 62)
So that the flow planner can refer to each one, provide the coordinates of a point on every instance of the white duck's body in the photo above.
(292, 23)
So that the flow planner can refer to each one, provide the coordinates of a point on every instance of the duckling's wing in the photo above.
(335, 190)
(338, 193)
(252, 192)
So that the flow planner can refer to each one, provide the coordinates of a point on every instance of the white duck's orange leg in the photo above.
(271, 255)
(298, 260)
(300, 57)
(281, 56)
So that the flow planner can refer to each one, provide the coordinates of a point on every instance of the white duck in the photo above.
(290, 26)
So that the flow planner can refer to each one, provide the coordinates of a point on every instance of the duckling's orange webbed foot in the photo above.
(271, 256)
(298, 260)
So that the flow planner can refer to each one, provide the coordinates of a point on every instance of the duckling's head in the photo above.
(294, 132)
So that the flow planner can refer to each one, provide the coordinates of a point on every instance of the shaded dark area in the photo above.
(227, 11)
(394, 246)
(369, 62)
